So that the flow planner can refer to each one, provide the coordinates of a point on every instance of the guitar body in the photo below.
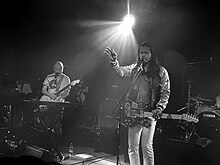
(132, 121)
(47, 98)
(44, 108)
(133, 115)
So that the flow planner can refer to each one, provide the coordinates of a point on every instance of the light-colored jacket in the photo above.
(153, 91)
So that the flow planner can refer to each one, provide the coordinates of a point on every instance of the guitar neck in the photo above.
(63, 89)
(171, 116)
(164, 116)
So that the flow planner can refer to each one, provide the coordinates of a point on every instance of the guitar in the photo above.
(59, 99)
(134, 116)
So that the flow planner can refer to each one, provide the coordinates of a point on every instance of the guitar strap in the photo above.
(59, 82)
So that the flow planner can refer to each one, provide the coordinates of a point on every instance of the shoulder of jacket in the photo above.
(162, 71)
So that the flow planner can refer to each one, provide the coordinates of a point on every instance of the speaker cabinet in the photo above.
(38, 152)
(106, 117)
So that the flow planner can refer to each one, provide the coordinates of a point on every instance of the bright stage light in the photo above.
(126, 26)
(112, 34)
(128, 21)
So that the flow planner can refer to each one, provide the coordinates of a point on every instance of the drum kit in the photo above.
(206, 110)
(208, 114)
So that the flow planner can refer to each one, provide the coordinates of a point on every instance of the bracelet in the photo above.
(160, 108)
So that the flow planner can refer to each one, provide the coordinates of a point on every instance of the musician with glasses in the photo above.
(51, 90)
(150, 92)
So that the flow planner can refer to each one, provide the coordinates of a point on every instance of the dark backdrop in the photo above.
(34, 34)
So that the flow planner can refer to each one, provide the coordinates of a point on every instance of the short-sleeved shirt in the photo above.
(53, 84)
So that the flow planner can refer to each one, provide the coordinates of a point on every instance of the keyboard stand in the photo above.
(48, 133)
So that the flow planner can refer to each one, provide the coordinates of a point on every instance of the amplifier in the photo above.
(106, 117)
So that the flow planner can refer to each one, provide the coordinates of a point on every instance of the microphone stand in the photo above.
(140, 69)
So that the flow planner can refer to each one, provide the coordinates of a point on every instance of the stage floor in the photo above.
(88, 156)
(91, 148)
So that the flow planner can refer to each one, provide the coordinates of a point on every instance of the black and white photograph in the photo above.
(110, 82)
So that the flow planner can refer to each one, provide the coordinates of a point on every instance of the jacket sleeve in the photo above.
(123, 71)
(164, 89)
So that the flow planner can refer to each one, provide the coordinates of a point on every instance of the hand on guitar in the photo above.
(53, 96)
(156, 113)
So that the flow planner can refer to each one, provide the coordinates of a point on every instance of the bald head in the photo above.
(58, 67)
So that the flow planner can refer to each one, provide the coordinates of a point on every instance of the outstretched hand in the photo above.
(111, 54)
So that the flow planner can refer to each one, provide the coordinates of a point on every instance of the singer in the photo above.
(151, 91)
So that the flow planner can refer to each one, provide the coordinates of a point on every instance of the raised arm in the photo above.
(123, 71)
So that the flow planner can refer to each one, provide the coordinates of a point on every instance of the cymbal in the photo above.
(201, 99)
(196, 100)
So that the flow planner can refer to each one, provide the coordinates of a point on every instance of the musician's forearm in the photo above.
(45, 92)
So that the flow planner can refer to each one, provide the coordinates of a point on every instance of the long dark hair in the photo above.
(154, 64)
